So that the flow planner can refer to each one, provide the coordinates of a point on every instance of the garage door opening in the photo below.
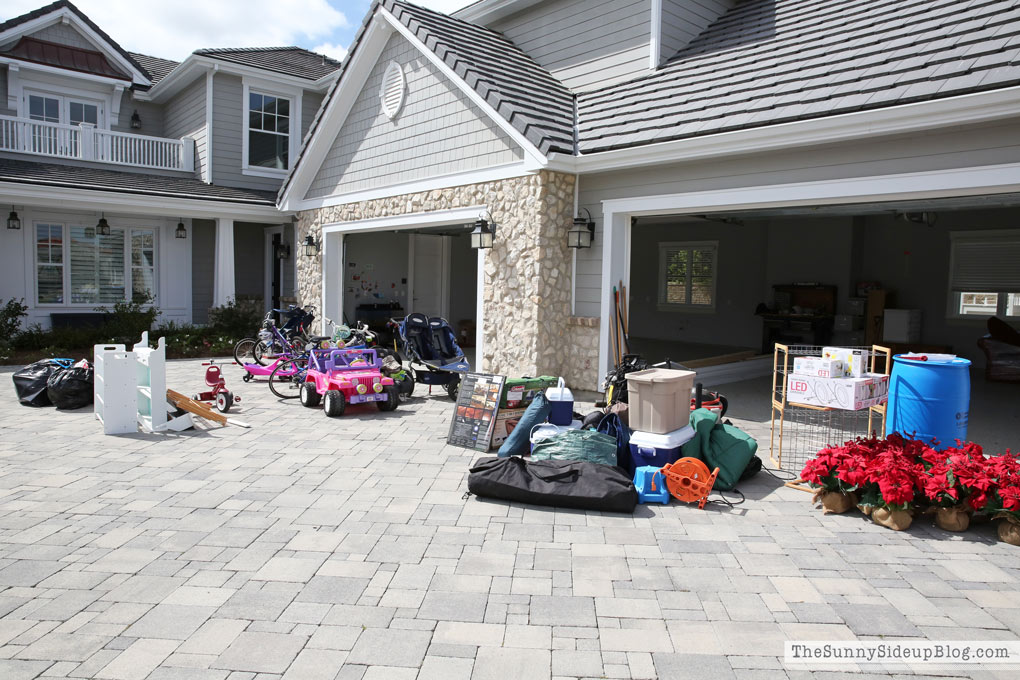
(433, 271)
(714, 289)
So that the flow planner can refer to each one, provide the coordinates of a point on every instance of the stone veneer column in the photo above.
(527, 272)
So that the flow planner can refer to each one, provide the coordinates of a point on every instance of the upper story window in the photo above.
(272, 128)
(268, 131)
(53, 108)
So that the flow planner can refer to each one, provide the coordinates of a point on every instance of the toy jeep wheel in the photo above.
(405, 386)
(392, 399)
(334, 403)
(309, 397)
(453, 387)
(224, 400)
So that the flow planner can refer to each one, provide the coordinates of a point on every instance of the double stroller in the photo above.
(431, 345)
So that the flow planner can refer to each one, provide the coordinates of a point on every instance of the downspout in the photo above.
(577, 194)
(208, 179)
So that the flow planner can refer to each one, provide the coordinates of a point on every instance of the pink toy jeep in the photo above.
(347, 376)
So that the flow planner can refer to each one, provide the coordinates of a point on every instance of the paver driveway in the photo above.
(316, 548)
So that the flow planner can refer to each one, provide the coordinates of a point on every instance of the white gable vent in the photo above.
(392, 90)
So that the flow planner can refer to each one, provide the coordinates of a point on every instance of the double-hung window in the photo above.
(269, 127)
(984, 273)
(687, 273)
(77, 266)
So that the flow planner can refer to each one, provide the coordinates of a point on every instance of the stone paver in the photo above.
(309, 548)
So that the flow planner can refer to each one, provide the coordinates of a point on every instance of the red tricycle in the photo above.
(219, 394)
(347, 376)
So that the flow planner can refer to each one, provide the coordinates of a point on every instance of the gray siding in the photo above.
(987, 145)
(151, 115)
(184, 116)
(310, 104)
(584, 43)
(203, 257)
(683, 20)
(228, 130)
(65, 35)
(4, 111)
(437, 132)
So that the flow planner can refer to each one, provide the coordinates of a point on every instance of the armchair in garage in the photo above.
(1001, 346)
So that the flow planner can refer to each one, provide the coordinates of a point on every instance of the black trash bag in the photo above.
(70, 388)
(30, 382)
(559, 483)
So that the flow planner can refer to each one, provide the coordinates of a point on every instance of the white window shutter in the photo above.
(392, 90)
(986, 264)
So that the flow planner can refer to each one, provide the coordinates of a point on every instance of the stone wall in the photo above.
(527, 324)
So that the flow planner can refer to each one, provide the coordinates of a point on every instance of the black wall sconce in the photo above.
(103, 228)
(281, 251)
(180, 231)
(483, 233)
(13, 221)
(136, 121)
(312, 246)
(582, 234)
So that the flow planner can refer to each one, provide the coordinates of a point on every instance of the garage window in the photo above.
(984, 277)
(687, 273)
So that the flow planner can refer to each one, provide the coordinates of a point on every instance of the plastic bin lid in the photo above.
(670, 440)
(659, 375)
(933, 359)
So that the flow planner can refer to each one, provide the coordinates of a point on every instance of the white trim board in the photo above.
(436, 218)
(618, 213)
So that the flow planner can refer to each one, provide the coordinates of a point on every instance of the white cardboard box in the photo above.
(855, 361)
(902, 325)
(850, 394)
(817, 366)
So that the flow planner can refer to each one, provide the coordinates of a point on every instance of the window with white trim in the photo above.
(984, 274)
(687, 274)
(100, 270)
(269, 129)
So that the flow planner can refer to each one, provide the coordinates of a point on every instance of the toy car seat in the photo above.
(213, 377)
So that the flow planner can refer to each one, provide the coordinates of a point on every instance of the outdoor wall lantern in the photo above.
(483, 233)
(13, 221)
(311, 246)
(582, 233)
(103, 228)
(281, 251)
(180, 232)
(136, 121)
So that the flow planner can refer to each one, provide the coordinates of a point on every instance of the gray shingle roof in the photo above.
(524, 93)
(157, 67)
(77, 177)
(772, 61)
(293, 61)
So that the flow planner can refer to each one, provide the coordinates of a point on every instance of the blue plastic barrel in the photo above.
(929, 399)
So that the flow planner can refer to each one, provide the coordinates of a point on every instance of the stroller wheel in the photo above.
(453, 387)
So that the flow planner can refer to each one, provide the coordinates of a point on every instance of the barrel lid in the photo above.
(659, 375)
(920, 358)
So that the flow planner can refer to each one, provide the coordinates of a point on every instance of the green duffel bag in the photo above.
(720, 446)
(586, 445)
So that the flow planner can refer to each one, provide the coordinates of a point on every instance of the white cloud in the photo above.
(338, 52)
(175, 29)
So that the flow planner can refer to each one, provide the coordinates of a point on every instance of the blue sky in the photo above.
(174, 28)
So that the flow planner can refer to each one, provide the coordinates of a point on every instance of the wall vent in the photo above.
(392, 90)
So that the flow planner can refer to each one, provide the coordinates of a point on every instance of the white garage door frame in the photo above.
(618, 213)
(333, 235)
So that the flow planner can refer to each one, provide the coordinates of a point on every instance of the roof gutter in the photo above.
(968, 109)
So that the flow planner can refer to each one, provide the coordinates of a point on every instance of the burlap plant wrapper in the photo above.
(1009, 531)
(898, 520)
(952, 519)
(835, 502)
(866, 509)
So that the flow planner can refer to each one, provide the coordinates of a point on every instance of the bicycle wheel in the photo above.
(285, 380)
(244, 351)
(266, 353)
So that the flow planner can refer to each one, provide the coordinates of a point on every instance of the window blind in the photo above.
(986, 263)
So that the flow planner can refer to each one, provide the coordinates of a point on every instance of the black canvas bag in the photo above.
(563, 484)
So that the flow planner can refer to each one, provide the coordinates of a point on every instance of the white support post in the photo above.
(188, 154)
(615, 267)
(223, 274)
(332, 301)
(86, 141)
(480, 314)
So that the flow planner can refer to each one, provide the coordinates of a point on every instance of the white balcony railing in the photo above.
(87, 143)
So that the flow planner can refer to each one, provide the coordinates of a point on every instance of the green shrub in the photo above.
(238, 318)
(11, 315)
(127, 320)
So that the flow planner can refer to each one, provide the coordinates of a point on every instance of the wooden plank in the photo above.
(197, 408)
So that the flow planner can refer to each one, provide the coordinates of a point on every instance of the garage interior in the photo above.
(390, 274)
(745, 272)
